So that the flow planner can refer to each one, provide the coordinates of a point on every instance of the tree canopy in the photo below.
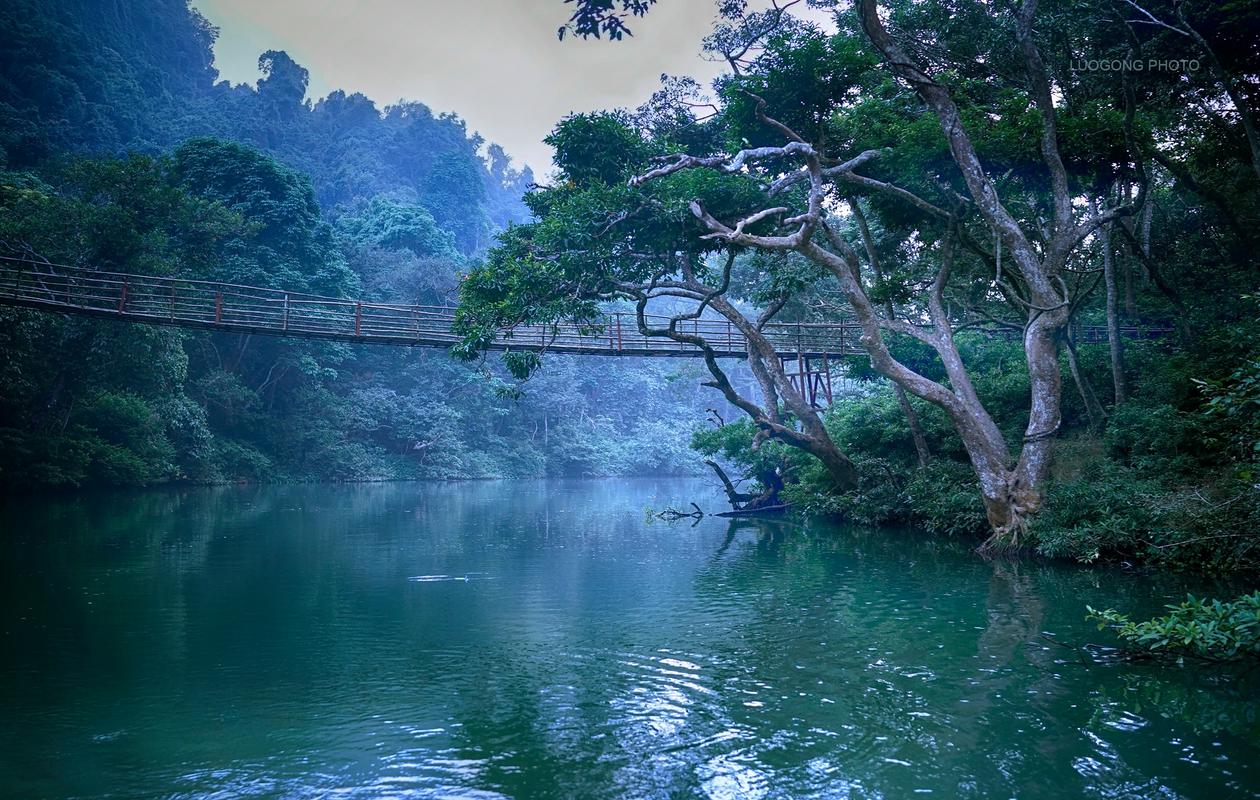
(925, 169)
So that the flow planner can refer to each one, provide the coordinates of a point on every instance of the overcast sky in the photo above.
(496, 63)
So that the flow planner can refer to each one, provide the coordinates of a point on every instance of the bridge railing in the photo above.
(251, 309)
(228, 306)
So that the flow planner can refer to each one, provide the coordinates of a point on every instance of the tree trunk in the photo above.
(916, 428)
(1148, 213)
(1010, 498)
(734, 496)
(1009, 506)
(1093, 408)
(1115, 343)
(812, 437)
(1041, 348)
(1130, 289)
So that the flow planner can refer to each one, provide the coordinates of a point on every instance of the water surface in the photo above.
(550, 640)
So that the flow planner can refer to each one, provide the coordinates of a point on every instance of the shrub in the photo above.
(1152, 437)
(876, 501)
(235, 460)
(1207, 629)
(1107, 509)
(130, 446)
(945, 499)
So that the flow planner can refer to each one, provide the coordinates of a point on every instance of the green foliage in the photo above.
(939, 499)
(391, 224)
(596, 18)
(1206, 629)
(1153, 437)
(132, 434)
(943, 500)
(1234, 403)
(290, 246)
(733, 443)
(597, 148)
(806, 77)
(1107, 509)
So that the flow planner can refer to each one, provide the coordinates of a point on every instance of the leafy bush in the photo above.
(127, 441)
(1207, 629)
(1152, 437)
(1107, 508)
(943, 498)
(1235, 403)
(877, 500)
(29, 459)
(239, 461)
(940, 498)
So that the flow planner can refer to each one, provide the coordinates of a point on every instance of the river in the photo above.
(550, 639)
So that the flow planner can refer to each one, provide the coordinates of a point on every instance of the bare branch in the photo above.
(727, 164)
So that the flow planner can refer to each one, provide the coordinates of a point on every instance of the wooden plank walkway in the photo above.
(249, 309)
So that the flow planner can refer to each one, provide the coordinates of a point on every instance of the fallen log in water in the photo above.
(763, 511)
(673, 513)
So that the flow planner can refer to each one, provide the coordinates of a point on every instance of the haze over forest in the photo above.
(943, 476)
(335, 195)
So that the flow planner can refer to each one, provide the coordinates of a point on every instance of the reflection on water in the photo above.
(549, 639)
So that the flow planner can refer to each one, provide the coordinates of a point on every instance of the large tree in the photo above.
(929, 160)
(601, 236)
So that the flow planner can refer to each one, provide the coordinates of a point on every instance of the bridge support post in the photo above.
(218, 307)
(122, 298)
(826, 372)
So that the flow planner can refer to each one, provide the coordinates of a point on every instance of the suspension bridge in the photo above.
(214, 305)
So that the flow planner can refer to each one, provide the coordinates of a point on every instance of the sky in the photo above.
(496, 63)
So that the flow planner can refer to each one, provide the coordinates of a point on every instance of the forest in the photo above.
(122, 151)
(976, 208)
(977, 191)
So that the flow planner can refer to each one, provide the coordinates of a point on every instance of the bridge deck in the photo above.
(230, 307)
(250, 309)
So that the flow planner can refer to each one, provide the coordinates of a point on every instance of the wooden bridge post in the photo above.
(358, 318)
(122, 297)
(802, 368)
(17, 279)
(171, 315)
(827, 376)
(218, 307)
(284, 322)
(620, 344)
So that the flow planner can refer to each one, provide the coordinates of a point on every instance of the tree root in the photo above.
(1006, 539)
